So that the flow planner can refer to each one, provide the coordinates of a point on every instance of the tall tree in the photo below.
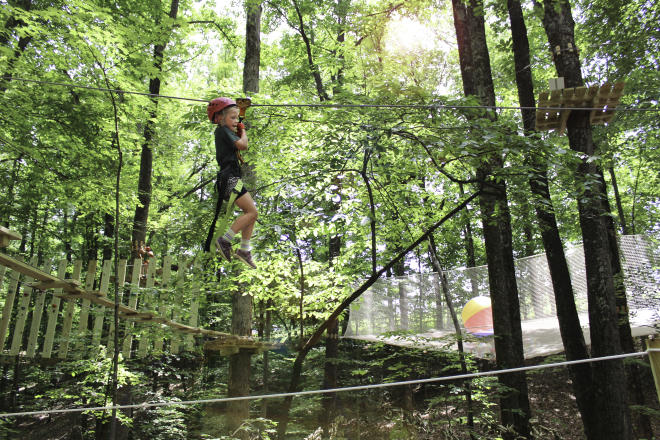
(240, 364)
(252, 47)
(569, 322)
(496, 219)
(141, 216)
(609, 384)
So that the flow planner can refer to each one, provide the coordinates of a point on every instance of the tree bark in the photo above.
(496, 219)
(252, 47)
(567, 315)
(240, 363)
(139, 234)
(619, 205)
(609, 382)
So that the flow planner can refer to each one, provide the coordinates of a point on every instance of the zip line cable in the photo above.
(333, 390)
(415, 106)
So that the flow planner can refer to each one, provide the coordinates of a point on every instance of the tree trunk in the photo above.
(313, 67)
(141, 216)
(619, 205)
(457, 329)
(23, 41)
(240, 363)
(609, 382)
(471, 261)
(567, 315)
(496, 219)
(252, 48)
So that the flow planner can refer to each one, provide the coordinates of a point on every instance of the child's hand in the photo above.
(239, 129)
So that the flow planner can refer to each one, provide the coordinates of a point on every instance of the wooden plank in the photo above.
(132, 303)
(99, 311)
(59, 284)
(8, 307)
(194, 302)
(68, 314)
(21, 316)
(178, 301)
(3, 269)
(163, 298)
(146, 305)
(84, 309)
(37, 314)
(121, 276)
(53, 313)
(7, 235)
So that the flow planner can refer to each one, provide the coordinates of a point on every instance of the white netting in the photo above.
(415, 303)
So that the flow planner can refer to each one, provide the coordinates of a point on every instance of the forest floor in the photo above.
(555, 415)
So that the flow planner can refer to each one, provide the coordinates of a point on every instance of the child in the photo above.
(230, 137)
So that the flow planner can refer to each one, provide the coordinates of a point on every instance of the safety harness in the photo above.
(225, 221)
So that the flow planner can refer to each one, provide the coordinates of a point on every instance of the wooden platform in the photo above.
(554, 107)
(169, 310)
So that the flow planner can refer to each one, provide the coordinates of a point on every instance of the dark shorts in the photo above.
(229, 188)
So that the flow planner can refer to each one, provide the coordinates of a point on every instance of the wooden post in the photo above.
(8, 307)
(84, 308)
(194, 303)
(53, 313)
(147, 293)
(21, 315)
(99, 311)
(7, 235)
(2, 273)
(163, 298)
(132, 303)
(121, 277)
(178, 302)
(37, 313)
(68, 314)
(654, 358)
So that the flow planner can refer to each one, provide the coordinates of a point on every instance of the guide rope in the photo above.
(147, 405)
(319, 105)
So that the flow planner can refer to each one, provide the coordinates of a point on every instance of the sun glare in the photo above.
(405, 34)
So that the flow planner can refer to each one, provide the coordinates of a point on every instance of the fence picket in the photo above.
(21, 314)
(84, 308)
(99, 311)
(163, 298)
(146, 306)
(132, 303)
(121, 277)
(70, 305)
(53, 313)
(8, 307)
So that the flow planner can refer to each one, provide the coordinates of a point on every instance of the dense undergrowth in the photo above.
(424, 411)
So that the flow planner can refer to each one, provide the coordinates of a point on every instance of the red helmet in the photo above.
(218, 104)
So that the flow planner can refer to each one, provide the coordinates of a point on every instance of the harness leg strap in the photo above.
(225, 220)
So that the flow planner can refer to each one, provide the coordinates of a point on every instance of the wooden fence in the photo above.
(71, 314)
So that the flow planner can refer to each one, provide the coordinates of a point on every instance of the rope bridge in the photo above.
(38, 316)
(415, 304)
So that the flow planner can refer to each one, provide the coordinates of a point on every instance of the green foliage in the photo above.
(318, 172)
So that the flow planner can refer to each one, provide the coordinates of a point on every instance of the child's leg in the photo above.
(245, 222)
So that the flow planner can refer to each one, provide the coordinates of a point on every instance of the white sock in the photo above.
(229, 235)
(245, 245)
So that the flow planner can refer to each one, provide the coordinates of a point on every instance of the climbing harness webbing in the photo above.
(225, 220)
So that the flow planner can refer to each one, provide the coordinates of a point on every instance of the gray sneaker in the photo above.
(224, 246)
(246, 257)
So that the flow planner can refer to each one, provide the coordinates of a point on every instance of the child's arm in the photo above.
(242, 142)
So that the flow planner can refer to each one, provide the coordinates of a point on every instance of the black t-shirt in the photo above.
(225, 150)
